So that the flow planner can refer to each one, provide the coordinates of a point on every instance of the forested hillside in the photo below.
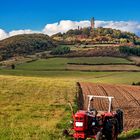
(21, 45)
(96, 36)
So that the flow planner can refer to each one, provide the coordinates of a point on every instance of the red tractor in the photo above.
(99, 125)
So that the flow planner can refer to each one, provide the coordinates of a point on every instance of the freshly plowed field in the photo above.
(126, 98)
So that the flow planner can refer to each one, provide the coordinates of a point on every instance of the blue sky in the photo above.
(27, 16)
(35, 14)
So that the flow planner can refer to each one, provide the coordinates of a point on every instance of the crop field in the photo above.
(135, 59)
(96, 77)
(126, 98)
(34, 108)
(94, 72)
(61, 63)
(44, 64)
(104, 67)
(99, 60)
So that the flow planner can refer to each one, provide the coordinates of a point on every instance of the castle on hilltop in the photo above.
(92, 22)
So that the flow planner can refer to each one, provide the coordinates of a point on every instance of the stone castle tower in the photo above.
(92, 21)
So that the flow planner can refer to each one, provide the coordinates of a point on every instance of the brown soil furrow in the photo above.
(86, 92)
(127, 98)
(96, 103)
(135, 92)
(131, 124)
(102, 104)
(121, 97)
(131, 95)
(105, 101)
(108, 92)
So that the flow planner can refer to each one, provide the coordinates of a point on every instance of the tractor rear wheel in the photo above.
(99, 136)
(110, 130)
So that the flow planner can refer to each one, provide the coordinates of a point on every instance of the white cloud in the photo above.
(3, 34)
(65, 25)
(130, 26)
(18, 32)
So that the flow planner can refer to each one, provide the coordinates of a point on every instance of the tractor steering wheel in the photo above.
(93, 111)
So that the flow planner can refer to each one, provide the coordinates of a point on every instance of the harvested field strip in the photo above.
(125, 97)
(103, 67)
(101, 64)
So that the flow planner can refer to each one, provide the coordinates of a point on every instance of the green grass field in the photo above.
(61, 63)
(45, 64)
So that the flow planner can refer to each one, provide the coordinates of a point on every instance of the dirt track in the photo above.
(126, 98)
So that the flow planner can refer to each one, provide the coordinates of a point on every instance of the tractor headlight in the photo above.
(79, 124)
(93, 123)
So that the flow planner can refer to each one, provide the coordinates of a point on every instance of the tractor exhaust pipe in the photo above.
(71, 108)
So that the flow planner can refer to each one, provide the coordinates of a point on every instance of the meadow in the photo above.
(61, 63)
(34, 108)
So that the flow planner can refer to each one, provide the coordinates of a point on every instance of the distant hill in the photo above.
(26, 44)
(96, 36)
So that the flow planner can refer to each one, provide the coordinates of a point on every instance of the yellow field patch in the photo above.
(32, 107)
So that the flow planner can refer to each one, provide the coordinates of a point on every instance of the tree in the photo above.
(12, 66)
(123, 40)
(60, 50)
(86, 31)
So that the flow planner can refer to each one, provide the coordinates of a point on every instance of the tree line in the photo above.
(130, 50)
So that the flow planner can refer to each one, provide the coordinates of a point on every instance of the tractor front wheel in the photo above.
(99, 136)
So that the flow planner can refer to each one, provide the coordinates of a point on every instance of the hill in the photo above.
(96, 36)
(26, 44)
